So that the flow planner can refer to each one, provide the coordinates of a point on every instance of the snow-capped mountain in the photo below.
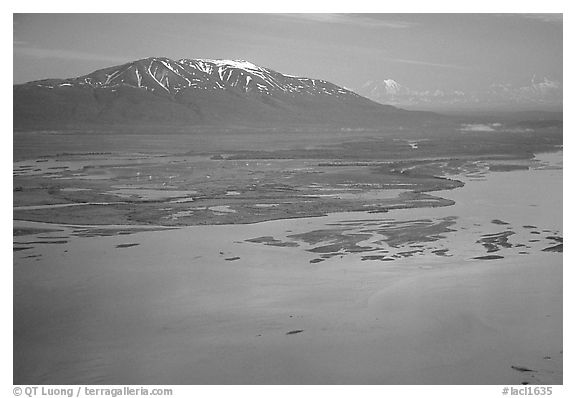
(172, 77)
(383, 90)
(195, 91)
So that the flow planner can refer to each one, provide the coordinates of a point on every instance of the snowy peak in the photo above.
(237, 63)
(153, 74)
(247, 77)
(384, 90)
(204, 92)
(164, 76)
(389, 86)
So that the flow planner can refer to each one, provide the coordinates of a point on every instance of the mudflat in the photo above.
(359, 259)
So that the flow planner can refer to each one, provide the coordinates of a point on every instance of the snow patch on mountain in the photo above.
(163, 75)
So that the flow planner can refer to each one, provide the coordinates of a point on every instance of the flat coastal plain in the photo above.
(288, 257)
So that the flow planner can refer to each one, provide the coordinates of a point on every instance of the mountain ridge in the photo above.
(159, 90)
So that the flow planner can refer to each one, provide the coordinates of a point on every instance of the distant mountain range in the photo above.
(196, 92)
(541, 93)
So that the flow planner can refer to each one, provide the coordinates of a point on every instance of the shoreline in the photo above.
(420, 193)
(303, 217)
(303, 300)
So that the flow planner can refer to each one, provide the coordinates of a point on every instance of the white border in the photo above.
(192, 6)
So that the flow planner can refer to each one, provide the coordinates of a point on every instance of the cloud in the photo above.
(549, 18)
(536, 92)
(553, 19)
(425, 63)
(480, 127)
(45, 53)
(368, 21)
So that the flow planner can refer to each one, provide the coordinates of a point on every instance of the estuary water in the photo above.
(202, 305)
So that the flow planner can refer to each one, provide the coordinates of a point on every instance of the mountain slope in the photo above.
(195, 92)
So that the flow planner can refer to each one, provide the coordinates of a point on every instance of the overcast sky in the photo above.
(424, 52)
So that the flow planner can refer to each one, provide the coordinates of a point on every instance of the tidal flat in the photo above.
(280, 264)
